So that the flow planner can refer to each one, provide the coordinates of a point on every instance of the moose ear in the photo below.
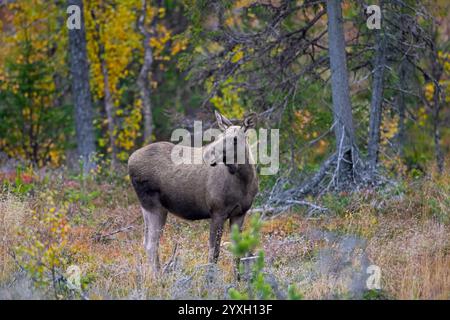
(250, 121)
(209, 157)
(222, 121)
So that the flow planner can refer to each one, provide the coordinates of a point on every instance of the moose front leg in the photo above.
(238, 221)
(215, 235)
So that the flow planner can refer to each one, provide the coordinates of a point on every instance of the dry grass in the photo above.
(406, 233)
(12, 217)
(414, 257)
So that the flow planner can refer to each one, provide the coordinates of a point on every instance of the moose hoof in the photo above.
(211, 272)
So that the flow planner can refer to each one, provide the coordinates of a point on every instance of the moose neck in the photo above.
(246, 172)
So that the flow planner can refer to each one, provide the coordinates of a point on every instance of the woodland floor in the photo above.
(97, 225)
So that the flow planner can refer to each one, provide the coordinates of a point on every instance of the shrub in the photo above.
(243, 244)
(43, 253)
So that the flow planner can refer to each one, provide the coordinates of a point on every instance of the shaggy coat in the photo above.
(212, 190)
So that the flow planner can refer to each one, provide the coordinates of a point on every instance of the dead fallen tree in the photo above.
(281, 198)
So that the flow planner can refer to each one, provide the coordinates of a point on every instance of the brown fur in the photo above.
(215, 191)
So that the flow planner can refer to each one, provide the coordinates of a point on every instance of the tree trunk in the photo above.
(436, 131)
(437, 70)
(436, 116)
(81, 93)
(342, 110)
(143, 79)
(376, 103)
(404, 71)
(401, 106)
(109, 108)
(107, 96)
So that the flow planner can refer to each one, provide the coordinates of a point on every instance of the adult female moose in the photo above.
(218, 188)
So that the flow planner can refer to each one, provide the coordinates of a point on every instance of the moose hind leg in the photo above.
(155, 220)
(145, 215)
(215, 236)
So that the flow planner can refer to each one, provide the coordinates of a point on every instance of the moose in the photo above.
(216, 188)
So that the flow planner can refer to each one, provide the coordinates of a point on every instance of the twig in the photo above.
(290, 203)
(306, 203)
(172, 260)
(99, 237)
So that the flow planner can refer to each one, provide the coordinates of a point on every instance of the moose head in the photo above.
(231, 147)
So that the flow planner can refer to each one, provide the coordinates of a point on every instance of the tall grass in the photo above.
(404, 229)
